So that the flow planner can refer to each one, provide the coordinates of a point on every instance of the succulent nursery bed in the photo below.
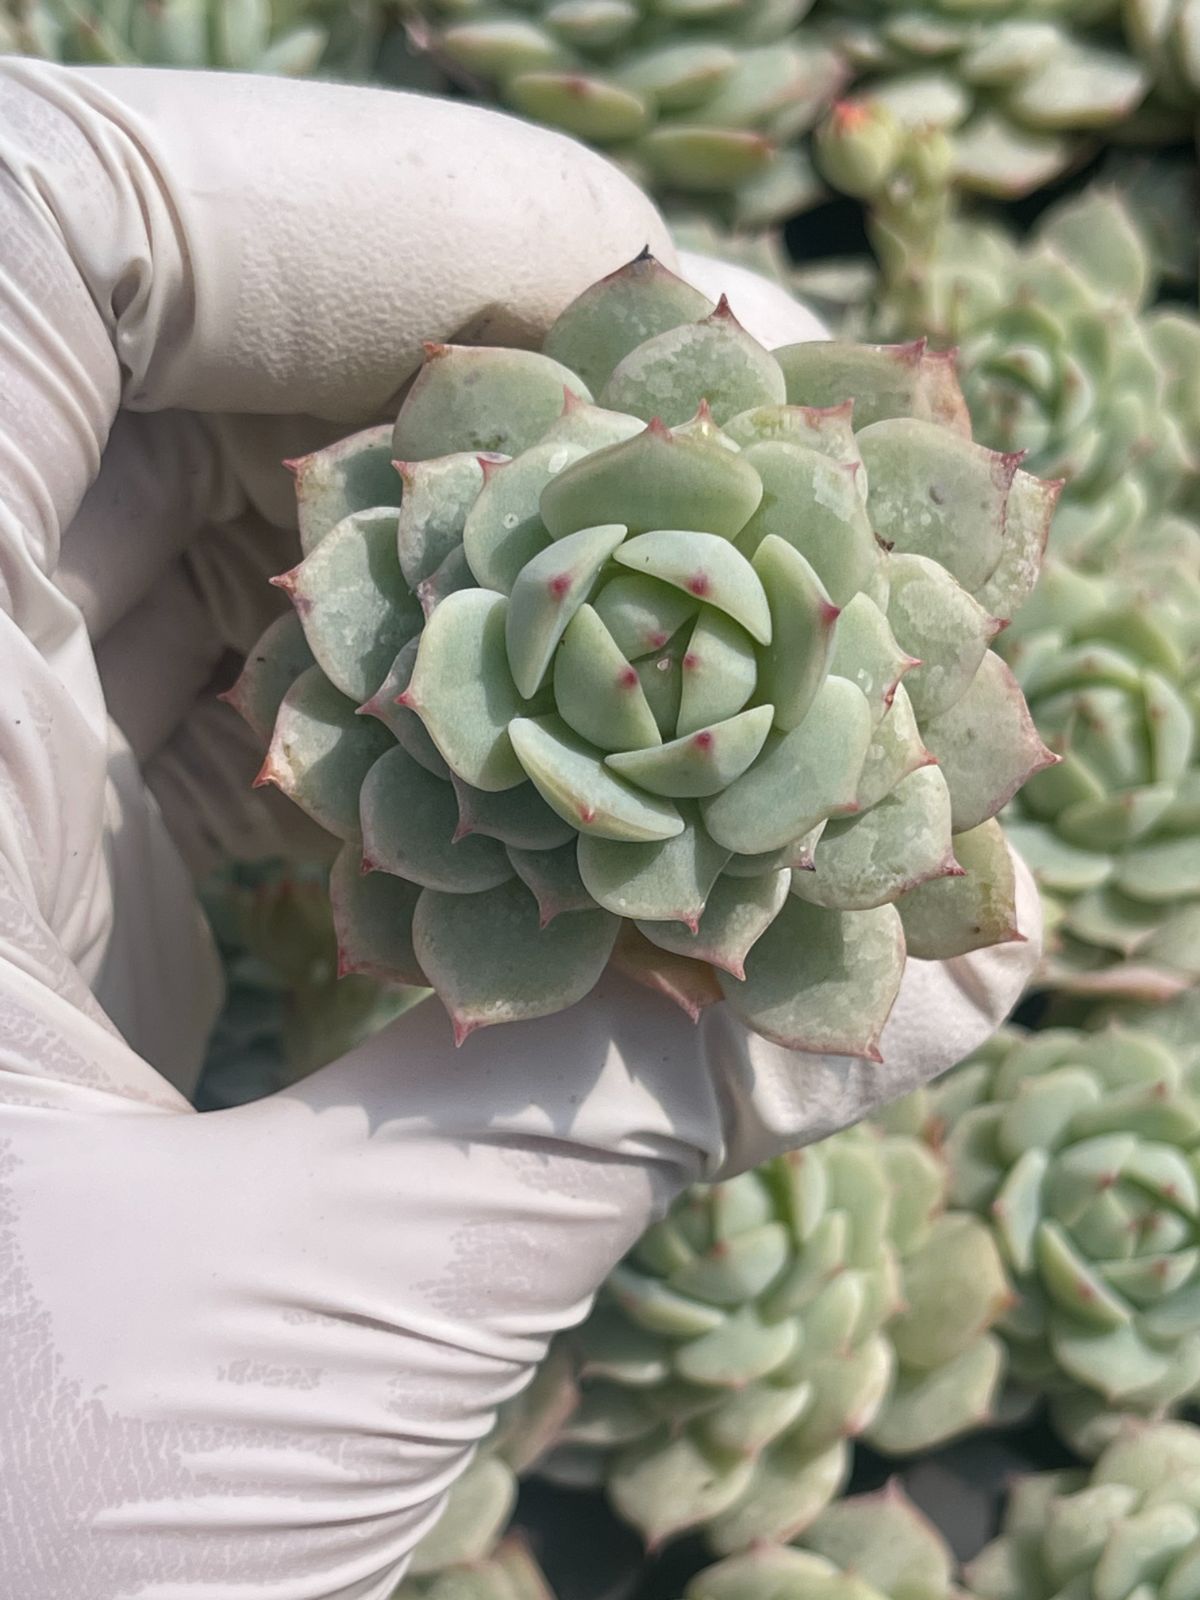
(945, 570)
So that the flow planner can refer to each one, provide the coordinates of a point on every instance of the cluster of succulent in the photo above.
(767, 1322)
(690, 673)
(704, 105)
(1021, 88)
(1127, 1530)
(292, 37)
(1081, 1152)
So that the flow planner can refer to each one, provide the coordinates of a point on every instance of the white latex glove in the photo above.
(244, 1354)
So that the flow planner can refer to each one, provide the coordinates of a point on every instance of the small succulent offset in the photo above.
(1128, 1530)
(1082, 1151)
(770, 1320)
(704, 105)
(1019, 86)
(291, 37)
(873, 1547)
(621, 678)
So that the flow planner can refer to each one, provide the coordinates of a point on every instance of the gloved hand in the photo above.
(245, 1353)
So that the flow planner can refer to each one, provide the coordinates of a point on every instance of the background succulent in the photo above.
(704, 105)
(1020, 86)
(1112, 668)
(1130, 1528)
(293, 37)
(1166, 36)
(623, 680)
(1059, 354)
(768, 1321)
(1081, 1151)
(873, 1547)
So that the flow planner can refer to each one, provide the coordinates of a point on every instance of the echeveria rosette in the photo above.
(1082, 1152)
(1020, 86)
(770, 1320)
(704, 105)
(289, 37)
(872, 1547)
(1111, 666)
(693, 676)
(1127, 1530)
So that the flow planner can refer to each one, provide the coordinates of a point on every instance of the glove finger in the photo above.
(295, 257)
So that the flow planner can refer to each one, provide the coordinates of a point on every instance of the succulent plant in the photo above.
(1082, 1151)
(1020, 86)
(771, 1319)
(285, 1011)
(704, 105)
(620, 679)
(292, 37)
(1128, 1530)
(873, 1547)
(1112, 669)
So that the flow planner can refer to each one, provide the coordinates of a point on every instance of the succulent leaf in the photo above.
(491, 961)
(480, 399)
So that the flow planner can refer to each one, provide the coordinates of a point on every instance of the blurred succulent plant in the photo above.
(291, 37)
(1111, 666)
(873, 1547)
(1019, 87)
(1128, 1530)
(767, 1322)
(640, 674)
(1166, 36)
(1082, 1152)
(703, 104)
(286, 1013)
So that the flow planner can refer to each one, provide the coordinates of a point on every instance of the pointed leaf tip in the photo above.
(434, 350)
(267, 773)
